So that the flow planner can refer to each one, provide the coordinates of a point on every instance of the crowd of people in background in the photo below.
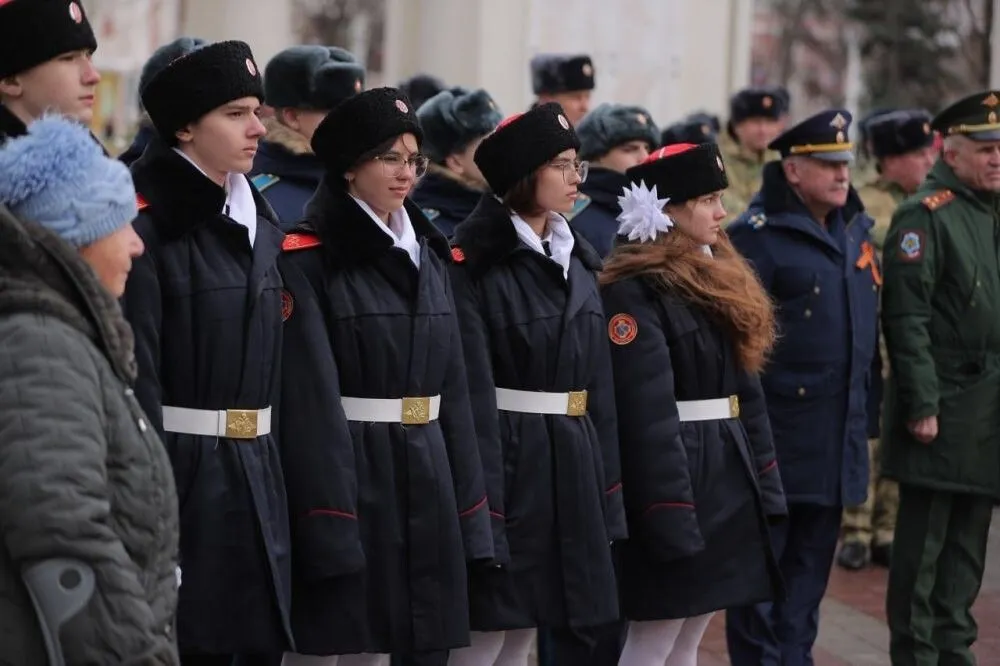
(318, 374)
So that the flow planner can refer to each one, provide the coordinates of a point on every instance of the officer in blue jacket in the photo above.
(302, 84)
(613, 138)
(808, 236)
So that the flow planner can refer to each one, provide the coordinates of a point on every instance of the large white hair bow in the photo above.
(642, 216)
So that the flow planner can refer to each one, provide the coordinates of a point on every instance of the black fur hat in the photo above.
(165, 55)
(611, 125)
(420, 88)
(36, 31)
(453, 118)
(360, 123)
(900, 132)
(553, 73)
(682, 171)
(312, 77)
(522, 143)
(198, 82)
(688, 131)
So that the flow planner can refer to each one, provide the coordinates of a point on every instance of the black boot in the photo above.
(853, 556)
(882, 554)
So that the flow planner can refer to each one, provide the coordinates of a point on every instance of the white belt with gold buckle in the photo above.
(573, 403)
(709, 410)
(408, 411)
(231, 423)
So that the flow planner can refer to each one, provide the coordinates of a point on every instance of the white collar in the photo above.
(239, 206)
(400, 229)
(558, 235)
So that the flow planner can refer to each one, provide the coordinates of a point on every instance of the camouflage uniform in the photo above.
(745, 171)
(874, 522)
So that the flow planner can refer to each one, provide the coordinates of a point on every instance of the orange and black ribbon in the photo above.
(867, 260)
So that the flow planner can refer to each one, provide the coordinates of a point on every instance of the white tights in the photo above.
(495, 648)
(292, 659)
(664, 642)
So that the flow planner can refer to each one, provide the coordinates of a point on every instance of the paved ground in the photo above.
(852, 623)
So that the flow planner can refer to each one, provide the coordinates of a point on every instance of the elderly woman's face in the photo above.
(111, 258)
(385, 181)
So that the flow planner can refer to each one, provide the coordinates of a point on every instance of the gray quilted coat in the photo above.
(82, 475)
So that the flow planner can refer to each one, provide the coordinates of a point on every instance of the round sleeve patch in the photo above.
(622, 329)
(911, 245)
(287, 305)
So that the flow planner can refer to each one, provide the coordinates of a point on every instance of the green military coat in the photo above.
(941, 318)
(745, 171)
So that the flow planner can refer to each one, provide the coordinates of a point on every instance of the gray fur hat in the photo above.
(454, 118)
(611, 125)
(312, 77)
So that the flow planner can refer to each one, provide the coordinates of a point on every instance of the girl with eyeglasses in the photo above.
(533, 334)
(386, 495)
(690, 327)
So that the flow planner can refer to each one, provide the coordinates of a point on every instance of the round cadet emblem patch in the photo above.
(911, 245)
(563, 122)
(622, 329)
(401, 105)
(587, 69)
(75, 12)
(287, 305)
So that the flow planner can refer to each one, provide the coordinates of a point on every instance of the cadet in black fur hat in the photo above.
(204, 302)
(756, 117)
(35, 78)
(161, 57)
(613, 138)
(454, 122)
(301, 84)
(565, 79)
(367, 274)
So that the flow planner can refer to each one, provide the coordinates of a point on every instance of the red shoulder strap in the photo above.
(294, 242)
(140, 202)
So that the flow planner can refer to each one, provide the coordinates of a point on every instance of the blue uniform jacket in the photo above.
(286, 174)
(825, 285)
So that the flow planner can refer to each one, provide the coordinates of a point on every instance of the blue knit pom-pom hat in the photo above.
(57, 176)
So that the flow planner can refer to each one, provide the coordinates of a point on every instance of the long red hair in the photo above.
(723, 284)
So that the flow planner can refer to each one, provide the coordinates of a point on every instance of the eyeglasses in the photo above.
(568, 167)
(393, 164)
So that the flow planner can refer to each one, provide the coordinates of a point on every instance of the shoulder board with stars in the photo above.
(300, 241)
(757, 220)
(431, 213)
(938, 199)
(262, 181)
(582, 201)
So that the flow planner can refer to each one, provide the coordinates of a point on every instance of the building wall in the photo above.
(672, 56)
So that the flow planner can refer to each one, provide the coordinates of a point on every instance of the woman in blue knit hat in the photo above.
(84, 477)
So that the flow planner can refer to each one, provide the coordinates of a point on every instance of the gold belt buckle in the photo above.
(734, 406)
(577, 403)
(241, 423)
(416, 411)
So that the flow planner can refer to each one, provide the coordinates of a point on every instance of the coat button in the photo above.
(815, 290)
(142, 425)
(874, 287)
(808, 313)
(802, 390)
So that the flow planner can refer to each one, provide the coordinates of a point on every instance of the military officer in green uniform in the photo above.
(901, 143)
(940, 308)
(756, 117)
